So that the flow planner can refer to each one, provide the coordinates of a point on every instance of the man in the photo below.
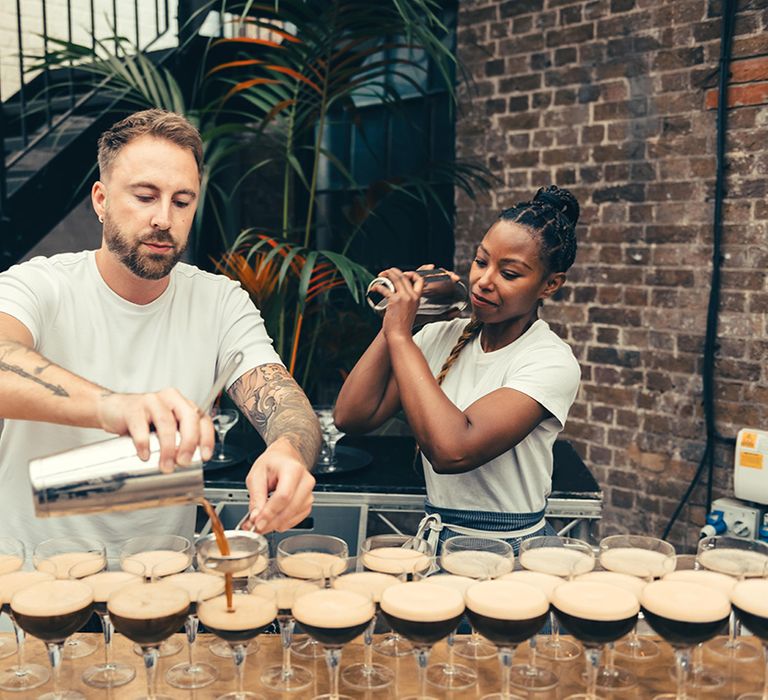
(91, 342)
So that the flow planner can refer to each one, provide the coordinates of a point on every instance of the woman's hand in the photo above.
(402, 303)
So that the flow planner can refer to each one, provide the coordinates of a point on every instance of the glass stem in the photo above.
(286, 637)
(107, 629)
(333, 661)
(474, 637)
(765, 677)
(698, 658)
(368, 648)
(422, 659)
(532, 658)
(682, 661)
(505, 659)
(238, 656)
(554, 626)
(191, 625)
(592, 655)
(731, 630)
(54, 656)
(151, 655)
(450, 665)
(19, 643)
(610, 658)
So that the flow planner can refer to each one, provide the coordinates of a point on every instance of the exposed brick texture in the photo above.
(610, 98)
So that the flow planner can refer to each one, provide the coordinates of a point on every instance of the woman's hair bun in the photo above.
(560, 199)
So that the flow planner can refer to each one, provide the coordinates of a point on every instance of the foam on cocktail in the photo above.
(633, 584)
(395, 560)
(249, 613)
(309, 565)
(458, 583)
(52, 598)
(284, 590)
(636, 561)
(476, 564)
(72, 564)
(506, 600)
(371, 583)
(557, 561)
(156, 562)
(420, 601)
(331, 608)
(10, 563)
(544, 582)
(105, 583)
(685, 602)
(600, 602)
(18, 580)
(148, 601)
(711, 579)
(752, 597)
(734, 561)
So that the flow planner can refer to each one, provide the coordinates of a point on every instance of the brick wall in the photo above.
(613, 99)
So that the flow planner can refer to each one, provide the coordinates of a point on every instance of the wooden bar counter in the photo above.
(653, 676)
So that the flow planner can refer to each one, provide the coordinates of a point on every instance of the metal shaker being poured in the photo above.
(109, 475)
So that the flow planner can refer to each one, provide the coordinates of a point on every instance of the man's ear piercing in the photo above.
(101, 219)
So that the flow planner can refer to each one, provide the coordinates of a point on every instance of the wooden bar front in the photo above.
(653, 676)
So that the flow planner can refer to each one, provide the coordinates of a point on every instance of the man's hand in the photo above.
(280, 489)
(170, 414)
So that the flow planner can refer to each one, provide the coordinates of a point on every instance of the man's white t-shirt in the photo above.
(179, 340)
(538, 364)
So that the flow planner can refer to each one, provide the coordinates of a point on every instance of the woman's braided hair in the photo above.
(551, 217)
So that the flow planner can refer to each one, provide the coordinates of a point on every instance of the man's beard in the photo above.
(148, 266)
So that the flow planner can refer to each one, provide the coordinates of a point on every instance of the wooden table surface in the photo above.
(653, 676)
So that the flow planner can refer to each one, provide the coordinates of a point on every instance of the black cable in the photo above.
(710, 340)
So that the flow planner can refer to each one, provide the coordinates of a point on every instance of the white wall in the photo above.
(57, 22)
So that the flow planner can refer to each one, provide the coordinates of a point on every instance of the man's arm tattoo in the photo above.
(7, 348)
(277, 407)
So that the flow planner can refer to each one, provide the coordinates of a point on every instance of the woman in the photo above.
(485, 397)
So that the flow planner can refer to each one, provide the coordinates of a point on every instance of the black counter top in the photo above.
(391, 470)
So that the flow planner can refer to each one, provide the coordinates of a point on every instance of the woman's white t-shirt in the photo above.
(179, 340)
(538, 364)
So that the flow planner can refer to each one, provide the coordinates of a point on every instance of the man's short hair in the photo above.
(153, 122)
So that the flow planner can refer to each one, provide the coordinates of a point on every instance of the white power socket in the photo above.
(741, 518)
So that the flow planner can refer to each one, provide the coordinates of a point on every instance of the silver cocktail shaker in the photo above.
(440, 297)
(109, 475)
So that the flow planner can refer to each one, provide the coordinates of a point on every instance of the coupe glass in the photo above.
(398, 555)
(110, 674)
(286, 677)
(702, 676)
(423, 613)
(739, 558)
(156, 556)
(224, 420)
(367, 675)
(199, 586)
(12, 556)
(148, 614)
(71, 557)
(648, 558)
(564, 557)
(596, 614)
(477, 558)
(44, 610)
(249, 616)
(507, 613)
(684, 614)
(750, 600)
(22, 676)
(299, 556)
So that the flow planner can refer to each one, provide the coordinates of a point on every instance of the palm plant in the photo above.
(274, 84)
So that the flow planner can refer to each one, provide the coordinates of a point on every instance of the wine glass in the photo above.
(507, 613)
(594, 613)
(248, 555)
(22, 676)
(423, 613)
(334, 617)
(648, 558)
(563, 557)
(286, 677)
(749, 601)
(199, 586)
(110, 674)
(12, 556)
(148, 614)
(331, 435)
(685, 614)
(248, 616)
(402, 556)
(740, 559)
(52, 611)
(71, 557)
(299, 556)
(701, 677)
(367, 675)
(224, 420)
(478, 558)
